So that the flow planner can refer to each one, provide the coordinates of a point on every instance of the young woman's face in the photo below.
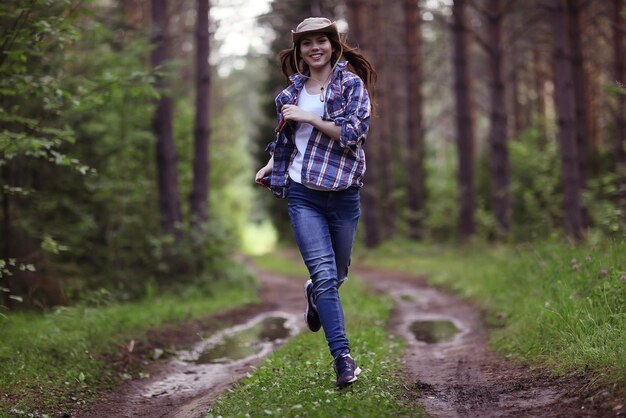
(316, 50)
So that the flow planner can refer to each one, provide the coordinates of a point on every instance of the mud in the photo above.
(192, 379)
(458, 376)
(447, 366)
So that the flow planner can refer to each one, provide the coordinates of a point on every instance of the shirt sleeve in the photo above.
(270, 147)
(355, 121)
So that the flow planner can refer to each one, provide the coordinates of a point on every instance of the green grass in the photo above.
(298, 379)
(51, 360)
(282, 261)
(551, 304)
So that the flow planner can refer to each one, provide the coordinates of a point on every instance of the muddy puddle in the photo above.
(189, 382)
(423, 325)
(434, 331)
(241, 342)
(213, 359)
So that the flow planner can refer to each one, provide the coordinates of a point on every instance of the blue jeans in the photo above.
(324, 224)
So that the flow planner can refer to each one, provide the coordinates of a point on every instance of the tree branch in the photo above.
(17, 27)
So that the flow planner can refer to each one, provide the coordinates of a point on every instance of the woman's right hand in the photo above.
(263, 172)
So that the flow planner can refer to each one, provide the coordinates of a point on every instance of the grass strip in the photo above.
(298, 379)
(49, 361)
(551, 304)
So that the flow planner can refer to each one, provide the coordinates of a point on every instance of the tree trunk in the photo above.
(357, 18)
(415, 130)
(516, 106)
(199, 197)
(620, 111)
(464, 122)
(316, 8)
(167, 176)
(540, 101)
(7, 235)
(381, 123)
(358, 21)
(498, 129)
(135, 14)
(564, 95)
(580, 96)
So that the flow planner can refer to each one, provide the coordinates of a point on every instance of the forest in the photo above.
(130, 132)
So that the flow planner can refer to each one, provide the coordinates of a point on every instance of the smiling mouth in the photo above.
(316, 56)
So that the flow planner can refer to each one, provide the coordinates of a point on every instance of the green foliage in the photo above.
(298, 379)
(34, 98)
(441, 186)
(551, 304)
(50, 361)
(87, 101)
(537, 198)
(602, 199)
(108, 219)
(33, 88)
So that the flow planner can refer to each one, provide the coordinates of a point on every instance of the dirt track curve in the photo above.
(461, 377)
(454, 378)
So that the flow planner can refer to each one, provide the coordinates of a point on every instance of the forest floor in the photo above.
(458, 376)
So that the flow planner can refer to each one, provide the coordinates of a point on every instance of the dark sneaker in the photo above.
(347, 370)
(311, 316)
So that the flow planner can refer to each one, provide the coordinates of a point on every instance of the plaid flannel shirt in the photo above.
(329, 164)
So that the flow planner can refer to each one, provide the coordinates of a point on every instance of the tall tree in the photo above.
(618, 69)
(564, 98)
(199, 197)
(539, 78)
(464, 121)
(7, 233)
(415, 130)
(574, 8)
(380, 131)
(499, 158)
(514, 83)
(358, 20)
(167, 177)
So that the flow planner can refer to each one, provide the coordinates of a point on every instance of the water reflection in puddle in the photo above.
(245, 342)
(218, 358)
(434, 331)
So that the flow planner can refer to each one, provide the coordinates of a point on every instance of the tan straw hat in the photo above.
(314, 24)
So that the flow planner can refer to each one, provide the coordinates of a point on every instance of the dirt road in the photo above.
(183, 388)
(459, 376)
(452, 375)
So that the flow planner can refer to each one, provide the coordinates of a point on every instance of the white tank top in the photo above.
(310, 103)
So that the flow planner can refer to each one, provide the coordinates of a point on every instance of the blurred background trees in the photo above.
(128, 141)
(97, 145)
(536, 117)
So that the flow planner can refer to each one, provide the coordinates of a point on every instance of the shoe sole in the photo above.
(306, 312)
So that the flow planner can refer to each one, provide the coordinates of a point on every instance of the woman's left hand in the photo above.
(295, 114)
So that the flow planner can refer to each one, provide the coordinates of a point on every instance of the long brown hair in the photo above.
(291, 61)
